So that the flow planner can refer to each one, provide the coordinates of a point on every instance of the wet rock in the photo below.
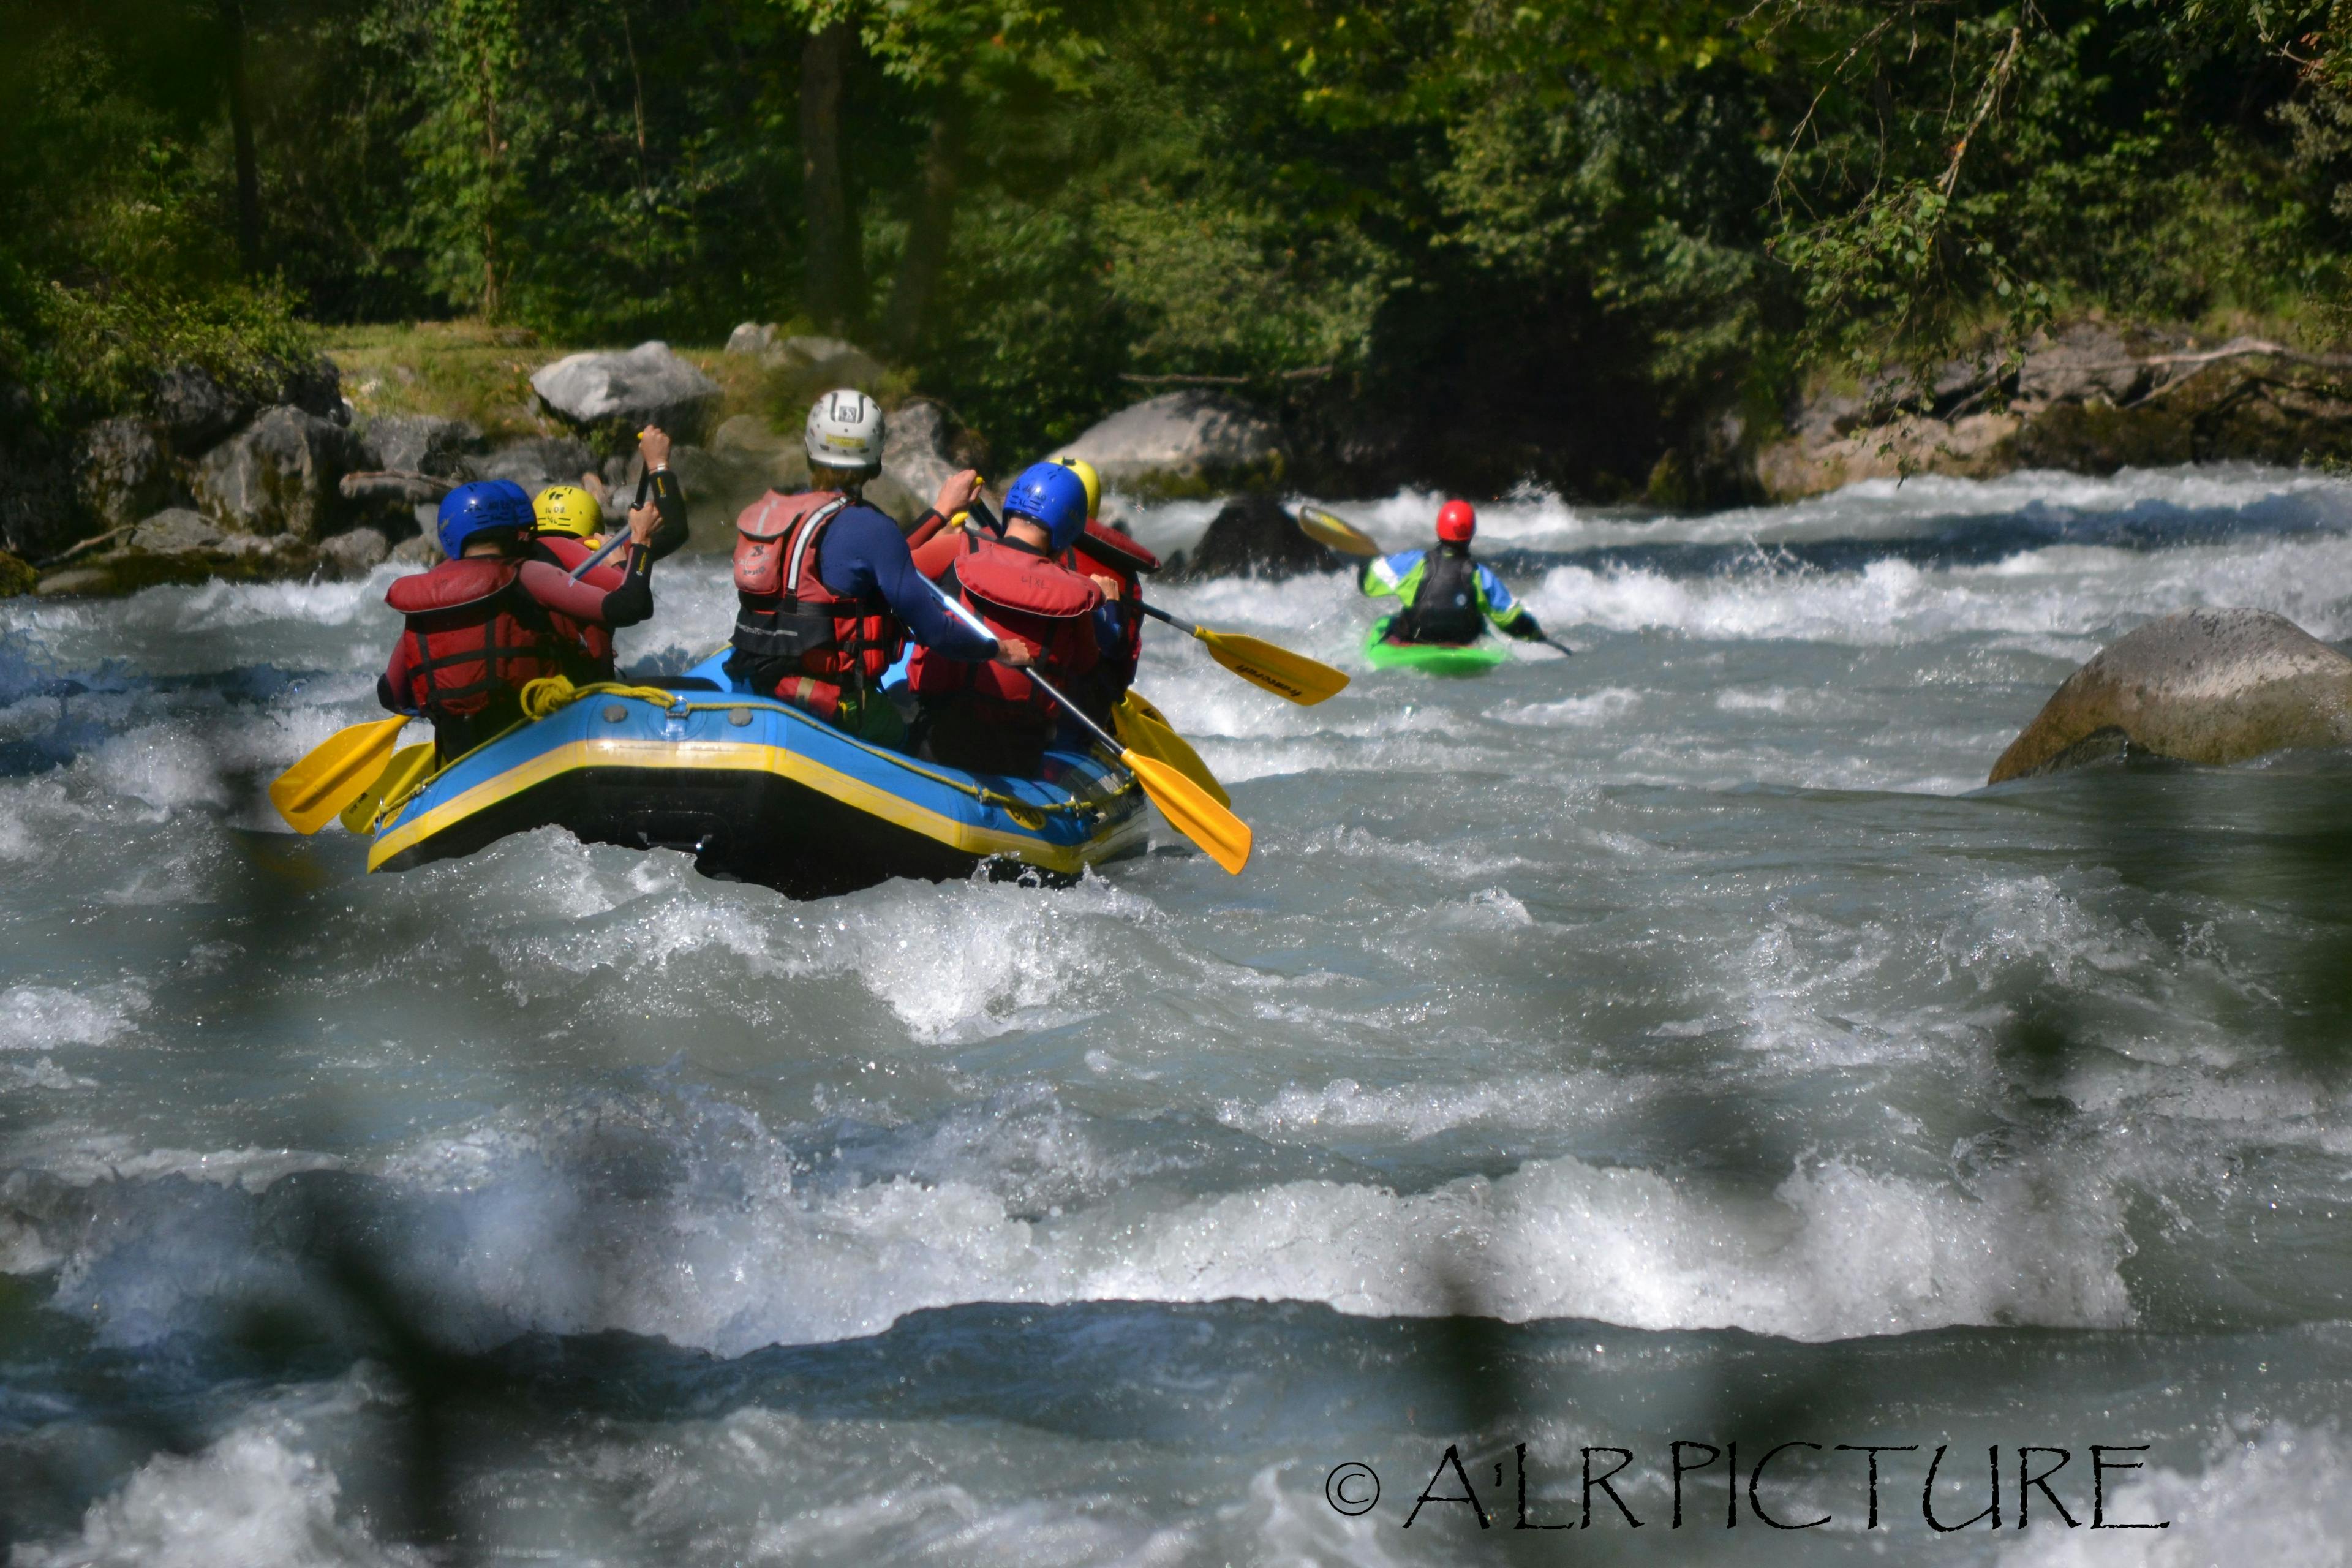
(1255, 536)
(17, 575)
(422, 551)
(176, 531)
(2202, 685)
(355, 552)
(614, 395)
(279, 476)
(1975, 445)
(1182, 443)
(536, 462)
(421, 444)
(123, 470)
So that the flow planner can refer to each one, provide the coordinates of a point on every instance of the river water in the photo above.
(1671, 1044)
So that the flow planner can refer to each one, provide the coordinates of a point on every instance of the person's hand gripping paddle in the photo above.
(1190, 809)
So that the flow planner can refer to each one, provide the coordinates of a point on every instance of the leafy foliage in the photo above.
(1530, 238)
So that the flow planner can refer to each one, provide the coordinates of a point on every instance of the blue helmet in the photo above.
(476, 509)
(1050, 494)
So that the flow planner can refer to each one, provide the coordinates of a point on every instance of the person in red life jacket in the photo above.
(482, 624)
(1116, 563)
(991, 718)
(827, 593)
(565, 522)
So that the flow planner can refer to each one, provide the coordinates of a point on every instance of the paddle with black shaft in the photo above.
(1347, 538)
(1189, 808)
(1304, 681)
(645, 478)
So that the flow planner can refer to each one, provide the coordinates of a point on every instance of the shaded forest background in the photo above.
(1461, 239)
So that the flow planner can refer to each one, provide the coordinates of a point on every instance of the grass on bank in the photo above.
(472, 370)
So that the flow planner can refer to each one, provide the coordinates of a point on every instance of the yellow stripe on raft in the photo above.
(731, 756)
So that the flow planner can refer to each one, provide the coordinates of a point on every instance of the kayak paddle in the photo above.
(1143, 726)
(1190, 809)
(1338, 532)
(409, 764)
(1304, 681)
(339, 769)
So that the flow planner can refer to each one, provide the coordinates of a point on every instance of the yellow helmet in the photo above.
(1089, 477)
(567, 509)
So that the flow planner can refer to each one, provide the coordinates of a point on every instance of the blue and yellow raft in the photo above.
(758, 791)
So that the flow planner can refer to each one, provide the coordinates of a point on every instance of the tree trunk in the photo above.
(830, 285)
(240, 123)
(927, 231)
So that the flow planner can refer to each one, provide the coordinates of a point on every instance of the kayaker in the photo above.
(1448, 598)
(992, 718)
(566, 528)
(1116, 563)
(827, 593)
(481, 625)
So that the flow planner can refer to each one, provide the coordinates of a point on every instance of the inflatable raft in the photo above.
(758, 791)
(1431, 657)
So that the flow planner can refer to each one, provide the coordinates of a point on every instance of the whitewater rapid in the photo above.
(1671, 1042)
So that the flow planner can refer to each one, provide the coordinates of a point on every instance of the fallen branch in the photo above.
(87, 545)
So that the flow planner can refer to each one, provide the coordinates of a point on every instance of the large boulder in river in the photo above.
(279, 476)
(1256, 536)
(1182, 443)
(614, 395)
(123, 470)
(924, 444)
(421, 444)
(535, 462)
(2202, 685)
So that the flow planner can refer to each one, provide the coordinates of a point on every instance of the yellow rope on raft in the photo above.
(551, 693)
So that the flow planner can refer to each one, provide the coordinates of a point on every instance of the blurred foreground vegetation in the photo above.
(1464, 237)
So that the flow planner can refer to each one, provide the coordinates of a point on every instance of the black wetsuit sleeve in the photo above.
(669, 499)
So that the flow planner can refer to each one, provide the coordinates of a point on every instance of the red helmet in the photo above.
(1456, 522)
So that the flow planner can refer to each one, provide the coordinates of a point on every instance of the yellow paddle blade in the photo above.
(1338, 532)
(1224, 837)
(1142, 728)
(311, 792)
(1304, 681)
(409, 764)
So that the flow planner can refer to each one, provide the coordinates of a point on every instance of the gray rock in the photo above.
(615, 395)
(355, 552)
(195, 409)
(279, 476)
(536, 462)
(421, 550)
(2202, 685)
(757, 338)
(176, 531)
(814, 350)
(1181, 443)
(924, 444)
(421, 443)
(1256, 536)
(123, 470)
(2088, 362)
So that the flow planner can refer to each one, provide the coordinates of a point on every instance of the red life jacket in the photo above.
(1105, 551)
(785, 616)
(1021, 595)
(594, 640)
(476, 633)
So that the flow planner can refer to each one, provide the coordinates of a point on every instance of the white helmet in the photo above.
(845, 431)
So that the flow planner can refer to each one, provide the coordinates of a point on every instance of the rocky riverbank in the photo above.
(335, 466)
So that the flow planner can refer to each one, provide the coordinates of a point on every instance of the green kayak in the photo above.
(1431, 657)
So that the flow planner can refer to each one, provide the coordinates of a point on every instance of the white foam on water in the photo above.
(2273, 1496)
(40, 1017)
(245, 1502)
(1413, 1111)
